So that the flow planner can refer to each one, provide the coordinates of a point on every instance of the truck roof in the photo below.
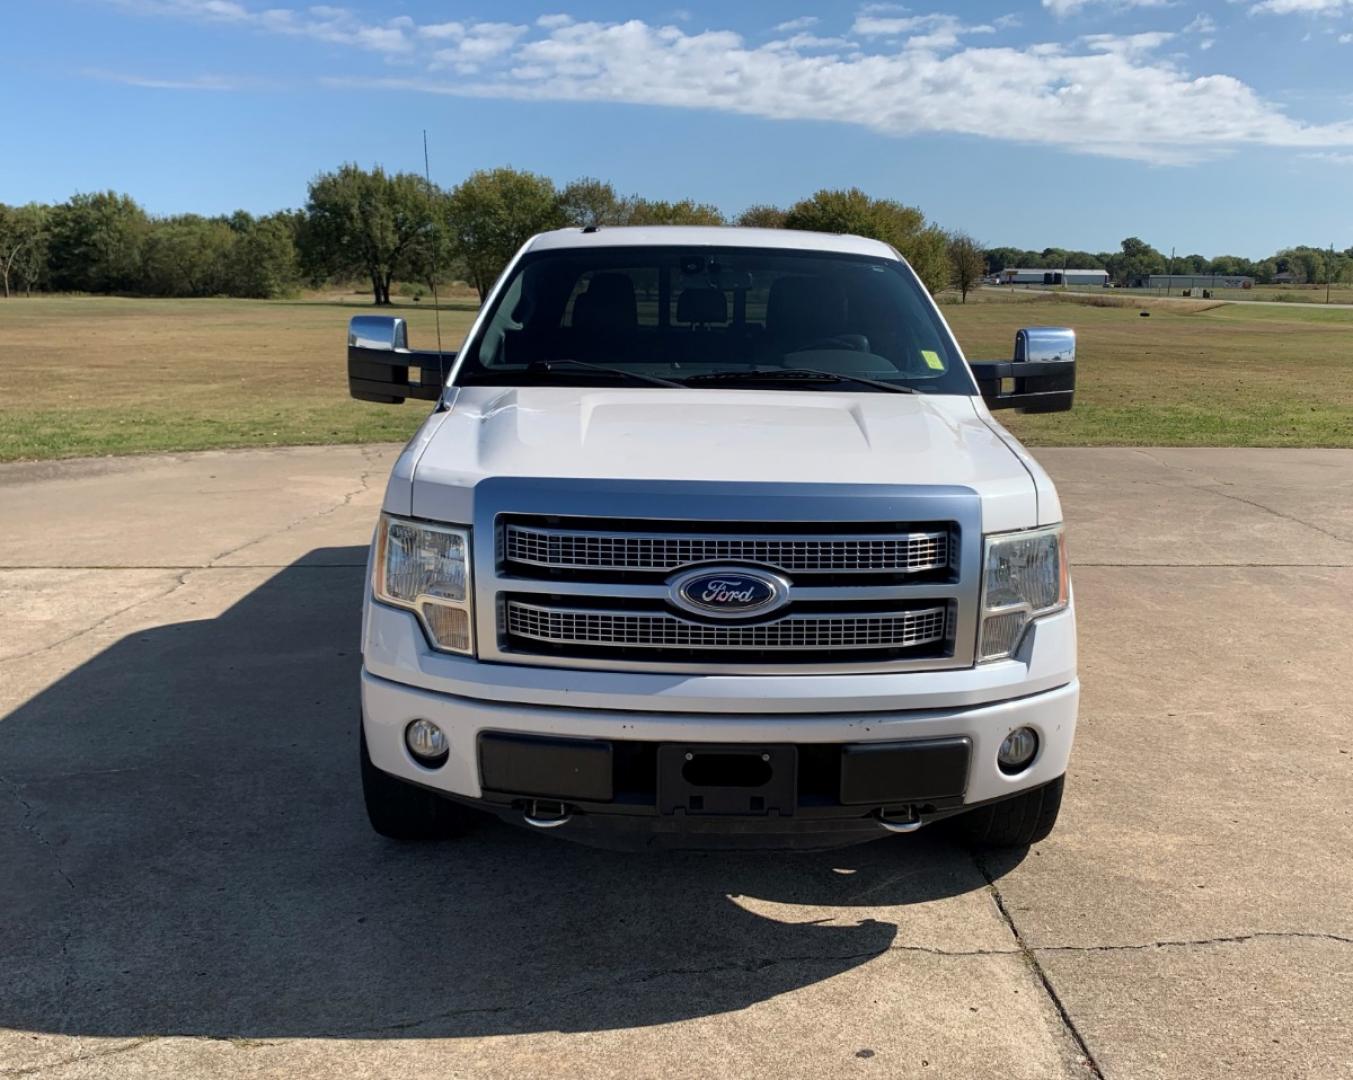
(708, 236)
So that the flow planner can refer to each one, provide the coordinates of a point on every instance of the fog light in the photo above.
(1017, 750)
(426, 742)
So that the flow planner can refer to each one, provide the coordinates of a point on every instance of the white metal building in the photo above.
(1015, 276)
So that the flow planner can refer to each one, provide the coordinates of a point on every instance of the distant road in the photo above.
(1133, 293)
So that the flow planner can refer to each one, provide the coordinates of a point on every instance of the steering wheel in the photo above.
(850, 342)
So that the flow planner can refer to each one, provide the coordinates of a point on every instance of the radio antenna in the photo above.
(436, 303)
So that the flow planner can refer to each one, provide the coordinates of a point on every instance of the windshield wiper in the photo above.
(796, 374)
(639, 376)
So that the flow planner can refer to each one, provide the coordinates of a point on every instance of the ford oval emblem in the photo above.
(729, 592)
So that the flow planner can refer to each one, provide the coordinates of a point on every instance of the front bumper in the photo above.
(388, 707)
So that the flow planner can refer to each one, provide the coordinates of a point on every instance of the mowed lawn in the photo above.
(106, 375)
(1189, 374)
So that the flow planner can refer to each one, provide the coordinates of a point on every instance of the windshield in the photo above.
(713, 317)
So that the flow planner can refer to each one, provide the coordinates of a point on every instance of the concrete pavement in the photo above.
(188, 885)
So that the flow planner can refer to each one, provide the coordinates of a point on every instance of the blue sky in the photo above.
(1222, 127)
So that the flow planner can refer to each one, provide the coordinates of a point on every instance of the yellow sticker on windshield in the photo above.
(932, 360)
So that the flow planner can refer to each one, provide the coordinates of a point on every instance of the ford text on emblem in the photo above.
(729, 593)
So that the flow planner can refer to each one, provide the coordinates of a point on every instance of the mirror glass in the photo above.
(1043, 343)
(378, 332)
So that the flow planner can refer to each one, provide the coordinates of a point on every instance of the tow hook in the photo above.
(900, 825)
(546, 814)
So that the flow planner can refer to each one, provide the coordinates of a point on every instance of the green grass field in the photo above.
(106, 375)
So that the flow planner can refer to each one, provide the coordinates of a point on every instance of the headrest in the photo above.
(608, 304)
(702, 305)
(806, 307)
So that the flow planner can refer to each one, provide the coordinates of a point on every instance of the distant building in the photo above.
(1193, 281)
(1014, 276)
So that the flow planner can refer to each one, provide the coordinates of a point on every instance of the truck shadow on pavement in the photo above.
(185, 853)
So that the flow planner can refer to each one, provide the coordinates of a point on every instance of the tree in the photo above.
(999, 258)
(592, 202)
(493, 212)
(187, 255)
(360, 222)
(658, 212)
(95, 243)
(967, 263)
(904, 227)
(23, 246)
(1231, 266)
(263, 264)
(761, 216)
(1138, 260)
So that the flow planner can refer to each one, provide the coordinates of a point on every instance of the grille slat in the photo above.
(570, 626)
(664, 552)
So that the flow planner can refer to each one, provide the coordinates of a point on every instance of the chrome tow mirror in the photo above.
(1041, 377)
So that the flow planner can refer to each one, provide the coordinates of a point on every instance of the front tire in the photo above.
(404, 811)
(1013, 823)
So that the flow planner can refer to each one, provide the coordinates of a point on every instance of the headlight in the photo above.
(1024, 575)
(426, 568)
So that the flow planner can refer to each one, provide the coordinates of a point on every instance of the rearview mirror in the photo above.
(382, 367)
(1041, 377)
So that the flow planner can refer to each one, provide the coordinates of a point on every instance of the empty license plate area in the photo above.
(729, 780)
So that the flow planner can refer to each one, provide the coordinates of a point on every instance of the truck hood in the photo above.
(760, 436)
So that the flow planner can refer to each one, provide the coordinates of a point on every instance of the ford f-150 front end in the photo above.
(712, 539)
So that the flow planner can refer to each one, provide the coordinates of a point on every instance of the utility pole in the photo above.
(1169, 274)
(1329, 270)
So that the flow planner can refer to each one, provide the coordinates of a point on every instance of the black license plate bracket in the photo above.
(729, 780)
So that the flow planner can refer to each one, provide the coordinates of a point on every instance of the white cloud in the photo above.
(940, 31)
(1062, 8)
(440, 31)
(803, 42)
(476, 45)
(1131, 45)
(1331, 157)
(334, 25)
(1346, 39)
(195, 82)
(1302, 7)
(1202, 24)
(801, 23)
(1106, 94)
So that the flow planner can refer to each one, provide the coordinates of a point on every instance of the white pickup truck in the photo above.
(711, 540)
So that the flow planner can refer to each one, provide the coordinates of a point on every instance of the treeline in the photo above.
(1299, 265)
(385, 228)
(106, 243)
(367, 224)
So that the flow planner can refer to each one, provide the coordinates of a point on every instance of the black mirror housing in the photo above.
(1041, 377)
(382, 368)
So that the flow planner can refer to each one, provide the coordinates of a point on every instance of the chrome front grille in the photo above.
(663, 552)
(573, 626)
(587, 575)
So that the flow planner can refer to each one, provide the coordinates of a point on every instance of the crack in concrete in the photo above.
(1087, 1056)
(34, 1070)
(33, 830)
(1232, 939)
(748, 966)
(363, 484)
(753, 966)
(1215, 486)
(179, 581)
(212, 564)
